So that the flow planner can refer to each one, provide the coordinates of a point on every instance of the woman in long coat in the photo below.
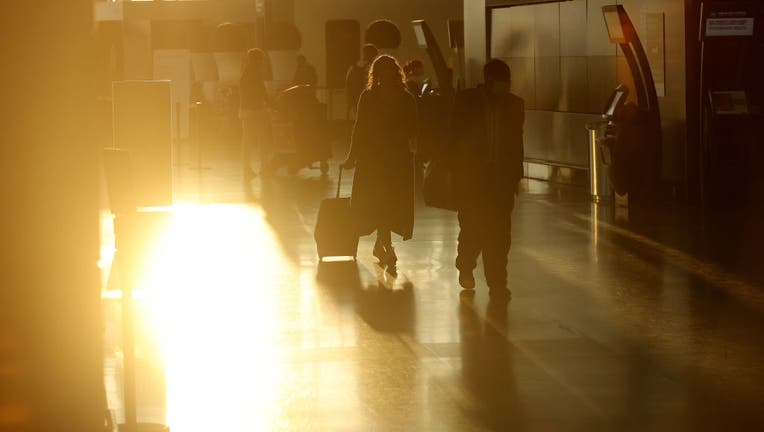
(383, 187)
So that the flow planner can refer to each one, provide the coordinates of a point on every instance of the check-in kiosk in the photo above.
(634, 132)
(435, 102)
(732, 79)
(602, 146)
(426, 40)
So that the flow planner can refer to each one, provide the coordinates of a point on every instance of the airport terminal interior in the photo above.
(156, 275)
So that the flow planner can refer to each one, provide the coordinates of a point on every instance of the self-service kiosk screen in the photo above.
(420, 38)
(618, 97)
(729, 102)
(614, 26)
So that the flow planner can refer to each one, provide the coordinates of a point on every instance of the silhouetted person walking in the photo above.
(383, 187)
(253, 111)
(305, 73)
(414, 70)
(356, 77)
(487, 158)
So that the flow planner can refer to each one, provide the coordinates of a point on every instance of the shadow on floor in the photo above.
(386, 304)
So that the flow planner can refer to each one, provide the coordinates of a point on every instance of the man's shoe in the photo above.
(467, 280)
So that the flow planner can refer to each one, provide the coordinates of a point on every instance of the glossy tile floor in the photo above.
(618, 322)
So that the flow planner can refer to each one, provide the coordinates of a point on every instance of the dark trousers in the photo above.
(486, 229)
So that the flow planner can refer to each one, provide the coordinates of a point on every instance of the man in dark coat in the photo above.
(487, 132)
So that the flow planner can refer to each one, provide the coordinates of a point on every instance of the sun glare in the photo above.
(212, 294)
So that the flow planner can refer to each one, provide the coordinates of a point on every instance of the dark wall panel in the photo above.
(557, 136)
(601, 81)
(547, 30)
(343, 45)
(547, 83)
(524, 79)
(573, 85)
(513, 32)
(572, 21)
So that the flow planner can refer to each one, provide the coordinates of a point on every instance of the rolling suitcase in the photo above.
(334, 231)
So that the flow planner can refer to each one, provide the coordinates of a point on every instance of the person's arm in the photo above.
(521, 144)
(457, 118)
(411, 118)
(358, 137)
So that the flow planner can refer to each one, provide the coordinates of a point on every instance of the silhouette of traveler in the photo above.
(308, 118)
(383, 188)
(253, 110)
(414, 70)
(356, 77)
(487, 159)
(305, 73)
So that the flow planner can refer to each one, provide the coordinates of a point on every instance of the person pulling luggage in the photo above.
(382, 198)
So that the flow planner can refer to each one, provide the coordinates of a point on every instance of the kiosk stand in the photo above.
(601, 143)
(129, 224)
(635, 130)
(435, 102)
(731, 45)
(426, 40)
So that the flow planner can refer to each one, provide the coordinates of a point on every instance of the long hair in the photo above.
(381, 63)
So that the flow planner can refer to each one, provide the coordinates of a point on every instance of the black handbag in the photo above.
(438, 186)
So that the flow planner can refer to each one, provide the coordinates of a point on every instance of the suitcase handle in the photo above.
(339, 182)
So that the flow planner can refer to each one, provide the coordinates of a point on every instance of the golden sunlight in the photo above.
(213, 286)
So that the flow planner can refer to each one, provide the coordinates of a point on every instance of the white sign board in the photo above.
(729, 27)
(175, 66)
(108, 11)
(142, 121)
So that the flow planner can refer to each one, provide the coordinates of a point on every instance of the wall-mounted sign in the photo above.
(729, 102)
(729, 23)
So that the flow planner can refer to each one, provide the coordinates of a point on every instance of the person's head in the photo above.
(254, 62)
(497, 76)
(369, 52)
(301, 60)
(414, 69)
(385, 72)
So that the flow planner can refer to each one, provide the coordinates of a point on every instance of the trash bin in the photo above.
(599, 183)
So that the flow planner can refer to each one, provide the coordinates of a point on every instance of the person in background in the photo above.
(382, 198)
(308, 118)
(253, 111)
(487, 162)
(305, 73)
(414, 70)
(356, 77)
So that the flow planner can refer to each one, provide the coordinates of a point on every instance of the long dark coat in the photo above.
(383, 187)
(483, 175)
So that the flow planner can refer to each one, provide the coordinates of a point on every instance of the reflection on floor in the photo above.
(618, 322)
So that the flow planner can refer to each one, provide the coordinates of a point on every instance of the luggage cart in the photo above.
(300, 138)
